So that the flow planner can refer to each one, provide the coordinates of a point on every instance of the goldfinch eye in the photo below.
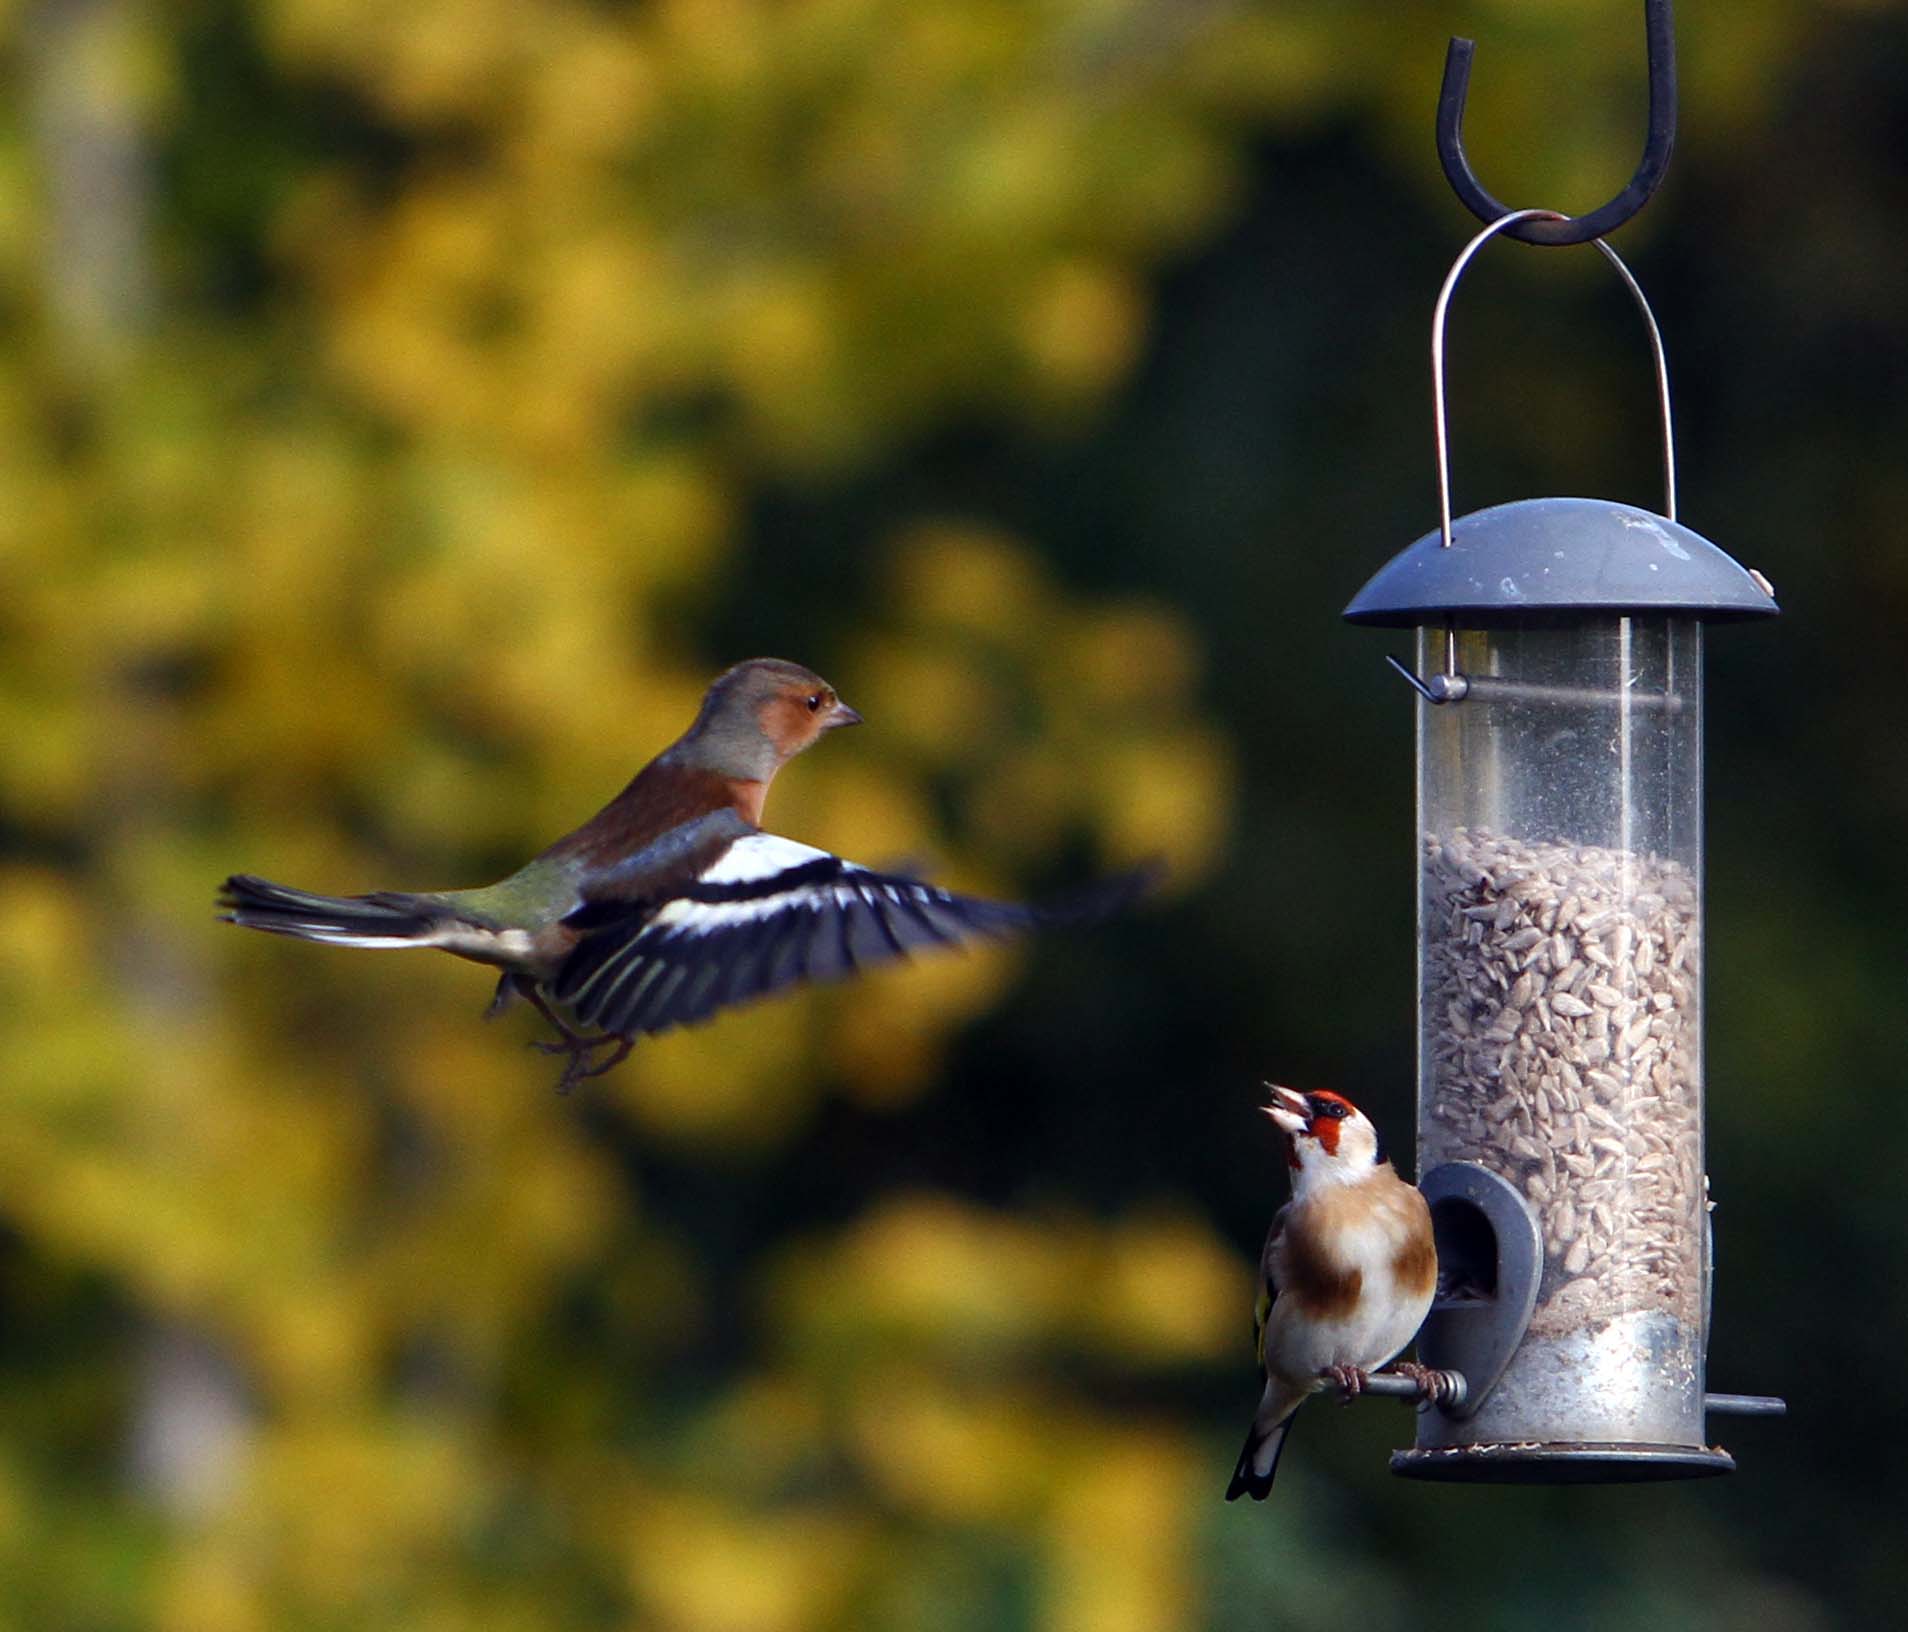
(814, 702)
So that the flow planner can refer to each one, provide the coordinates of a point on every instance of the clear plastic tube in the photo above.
(1560, 1005)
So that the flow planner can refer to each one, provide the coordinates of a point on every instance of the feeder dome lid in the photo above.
(1539, 558)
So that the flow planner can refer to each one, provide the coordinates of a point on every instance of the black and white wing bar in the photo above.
(768, 914)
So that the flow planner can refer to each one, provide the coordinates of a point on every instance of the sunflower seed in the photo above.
(1561, 1045)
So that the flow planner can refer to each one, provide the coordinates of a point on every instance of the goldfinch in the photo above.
(1348, 1271)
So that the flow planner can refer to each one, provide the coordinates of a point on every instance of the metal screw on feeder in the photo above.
(1560, 1045)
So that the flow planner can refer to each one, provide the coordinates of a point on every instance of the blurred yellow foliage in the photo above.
(929, 1274)
(700, 1567)
(953, 1451)
(1098, 728)
(1168, 1291)
(389, 396)
(1120, 1556)
(401, 410)
(951, 1339)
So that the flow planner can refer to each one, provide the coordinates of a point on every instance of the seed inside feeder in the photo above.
(1561, 1030)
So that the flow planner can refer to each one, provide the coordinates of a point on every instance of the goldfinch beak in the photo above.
(840, 714)
(1288, 1109)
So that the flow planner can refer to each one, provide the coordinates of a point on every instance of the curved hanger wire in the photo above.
(1505, 223)
(1659, 29)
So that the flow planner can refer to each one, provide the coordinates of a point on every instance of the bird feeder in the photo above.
(1559, 856)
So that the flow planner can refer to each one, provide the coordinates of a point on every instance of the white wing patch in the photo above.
(753, 864)
(760, 856)
(767, 914)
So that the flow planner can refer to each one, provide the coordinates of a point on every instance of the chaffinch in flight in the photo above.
(1348, 1272)
(671, 902)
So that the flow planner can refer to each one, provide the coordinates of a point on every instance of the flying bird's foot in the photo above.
(572, 1076)
(578, 1045)
(578, 1067)
(1348, 1380)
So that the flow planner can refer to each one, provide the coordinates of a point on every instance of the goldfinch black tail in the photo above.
(385, 919)
(1259, 1461)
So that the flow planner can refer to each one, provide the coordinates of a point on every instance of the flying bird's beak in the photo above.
(840, 714)
(1288, 1109)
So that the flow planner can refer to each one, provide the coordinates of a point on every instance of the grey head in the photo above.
(759, 715)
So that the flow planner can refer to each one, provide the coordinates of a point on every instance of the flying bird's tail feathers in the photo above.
(385, 919)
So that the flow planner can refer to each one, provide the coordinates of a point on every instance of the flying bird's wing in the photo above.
(768, 912)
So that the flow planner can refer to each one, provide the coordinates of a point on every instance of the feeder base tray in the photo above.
(1532, 1464)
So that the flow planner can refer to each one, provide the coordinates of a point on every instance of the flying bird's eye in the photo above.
(814, 702)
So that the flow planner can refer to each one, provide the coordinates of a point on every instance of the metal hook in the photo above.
(1660, 32)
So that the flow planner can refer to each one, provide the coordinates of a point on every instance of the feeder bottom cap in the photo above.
(1534, 1463)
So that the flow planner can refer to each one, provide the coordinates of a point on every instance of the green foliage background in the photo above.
(405, 409)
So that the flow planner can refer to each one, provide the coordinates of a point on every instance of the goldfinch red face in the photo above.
(1324, 1132)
